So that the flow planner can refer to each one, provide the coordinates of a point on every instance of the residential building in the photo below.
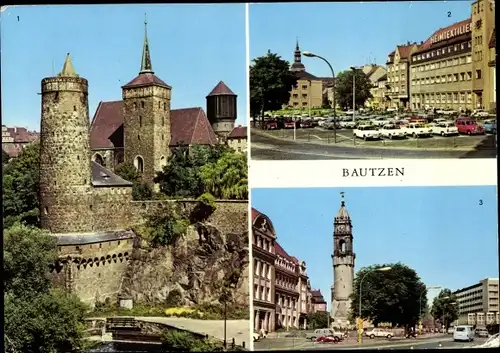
(14, 139)
(379, 93)
(237, 139)
(374, 74)
(398, 75)
(441, 73)
(281, 284)
(478, 304)
(491, 65)
(483, 28)
(310, 90)
(318, 302)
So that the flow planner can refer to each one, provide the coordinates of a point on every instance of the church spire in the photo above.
(297, 61)
(297, 45)
(146, 66)
(68, 70)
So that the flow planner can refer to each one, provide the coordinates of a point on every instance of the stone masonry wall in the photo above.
(111, 206)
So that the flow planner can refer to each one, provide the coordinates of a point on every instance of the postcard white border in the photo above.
(417, 172)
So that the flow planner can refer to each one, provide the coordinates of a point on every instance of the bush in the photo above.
(184, 341)
(165, 225)
(141, 192)
(174, 298)
(204, 208)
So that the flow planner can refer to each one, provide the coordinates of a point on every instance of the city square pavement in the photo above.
(318, 143)
(425, 342)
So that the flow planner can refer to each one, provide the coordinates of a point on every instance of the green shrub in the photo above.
(183, 341)
(204, 208)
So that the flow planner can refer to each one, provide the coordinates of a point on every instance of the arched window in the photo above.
(139, 164)
(98, 159)
(342, 246)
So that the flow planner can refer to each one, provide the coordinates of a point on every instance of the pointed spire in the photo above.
(146, 66)
(68, 70)
(297, 44)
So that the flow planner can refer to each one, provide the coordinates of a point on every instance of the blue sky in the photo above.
(347, 34)
(193, 47)
(443, 233)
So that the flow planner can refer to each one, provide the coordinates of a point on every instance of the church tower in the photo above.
(147, 121)
(65, 169)
(297, 59)
(221, 109)
(343, 266)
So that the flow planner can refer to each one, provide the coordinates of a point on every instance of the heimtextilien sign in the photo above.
(451, 33)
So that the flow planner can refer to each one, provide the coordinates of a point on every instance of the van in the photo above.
(464, 333)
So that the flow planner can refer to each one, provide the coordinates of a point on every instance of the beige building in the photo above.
(237, 139)
(281, 286)
(398, 75)
(374, 74)
(379, 93)
(491, 64)
(483, 28)
(478, 304)
(310, 90)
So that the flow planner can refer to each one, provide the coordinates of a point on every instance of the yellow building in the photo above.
(483, 27)
(374, 73)
(379, 93)
(237, 139)
(310, 90)
(441, 73)
(491, 64)
(398, 73)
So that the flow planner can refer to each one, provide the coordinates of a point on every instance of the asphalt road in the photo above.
(442, 342)
(270, 148)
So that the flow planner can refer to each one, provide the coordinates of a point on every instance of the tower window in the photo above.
(139, 137)
(56, 97)
(139, 164)
(165, 106)
(159, 105)
(74, 108)
(46, 210)
(163, 120)
(135, 105)
(140, 121)
(162, 136)
(78, 157)
(90, 207)
(142, 104)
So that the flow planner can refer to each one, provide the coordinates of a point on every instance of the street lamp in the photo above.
(353, 93)
(311, 55)
(380, 269)
(420, 305)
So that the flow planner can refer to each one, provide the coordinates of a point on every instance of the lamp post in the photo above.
(420, 305)
(311, 55)
(381, 269)
(353, 93)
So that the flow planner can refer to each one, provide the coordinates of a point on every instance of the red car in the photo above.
(469, 126)
(271, 125)
(306, 124)
(327, 339)
(289, 124)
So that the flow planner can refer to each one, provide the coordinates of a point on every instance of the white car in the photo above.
(464, 333)
(392, 130)
(480, 113)
(378, 332)
(348, 124)
(417, 129)
(445, 128)
(366, 132)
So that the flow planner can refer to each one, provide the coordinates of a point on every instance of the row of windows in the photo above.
(441, 51)
(304, 95)
(304, 104)
(463, 76)
(396, 67)
(264, 244)
(455, 97)
(262, 269)
(466, 59)
(143, 105)
(262, 293)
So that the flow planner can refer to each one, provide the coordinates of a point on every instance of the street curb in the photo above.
(457, 149)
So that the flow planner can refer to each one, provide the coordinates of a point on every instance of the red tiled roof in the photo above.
(21, 134)
(493, 40)
(146, 79)
(428, 43)
(405, 50)
(281, 252)
(238, 132)
(189, 126)
(220, 90)
(255, 214)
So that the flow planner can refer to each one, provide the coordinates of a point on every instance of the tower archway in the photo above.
(139, 164)
(98, 159)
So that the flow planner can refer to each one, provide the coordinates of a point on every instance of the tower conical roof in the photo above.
(221, 89)
(146, 65)
(343, 211)
(297, 61)
(68, 70)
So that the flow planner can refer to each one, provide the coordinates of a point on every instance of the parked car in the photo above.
(305, 124)
(378, 332)
(480, 113)
(327, 339)
(289, 124)
(392, 130)
(366, 132)
(271, 125)
(482, 332)
(464, 333)
(469, 126)
(417, 130)
(445, 128)
(321, 332)
(490, 126)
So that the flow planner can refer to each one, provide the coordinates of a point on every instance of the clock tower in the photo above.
(343, 267)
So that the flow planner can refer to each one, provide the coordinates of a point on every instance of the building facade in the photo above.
(281, 285)
(398, 80)
(14, 139)
(221, 109)
(479, 303)
(441, 73)
(237, 139)
(343, 268)
(318, 302)
(374, 74)
(379, 93)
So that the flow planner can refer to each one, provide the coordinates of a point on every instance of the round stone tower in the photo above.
(65, 169)
(221, 109)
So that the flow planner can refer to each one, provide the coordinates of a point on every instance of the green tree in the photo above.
(140, 190)
(184, 341)
(227, 178)
(390, 296)
(343, 88)
(270, 84)
(317, 320)
(445, 308)
(21, 183)
(5, 157)
(326, 103)
(36, 319)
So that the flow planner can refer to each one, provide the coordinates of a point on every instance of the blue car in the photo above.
(490, 126)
